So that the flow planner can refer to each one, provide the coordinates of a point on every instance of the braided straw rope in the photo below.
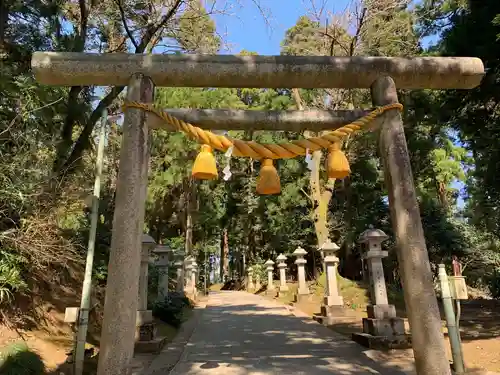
(256, 150)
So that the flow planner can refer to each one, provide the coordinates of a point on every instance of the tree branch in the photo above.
(153, 29)
(307, 195)
(124, 21)
(355, 39)
(82, 142)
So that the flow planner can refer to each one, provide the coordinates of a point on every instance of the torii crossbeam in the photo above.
(381, 74)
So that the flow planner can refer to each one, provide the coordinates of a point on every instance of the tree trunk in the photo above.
(441, 192)
(224, 259)
(188, 247)
(319, 199)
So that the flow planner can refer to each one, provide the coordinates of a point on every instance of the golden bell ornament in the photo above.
(337, 165)
(204, 167)
(268, 182)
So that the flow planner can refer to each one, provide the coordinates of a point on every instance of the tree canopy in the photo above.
(48, 147)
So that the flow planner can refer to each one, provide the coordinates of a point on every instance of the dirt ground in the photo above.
(51, 349)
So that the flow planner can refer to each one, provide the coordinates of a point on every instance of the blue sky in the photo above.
(246, 28)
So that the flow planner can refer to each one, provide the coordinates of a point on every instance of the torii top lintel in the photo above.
(115, 69)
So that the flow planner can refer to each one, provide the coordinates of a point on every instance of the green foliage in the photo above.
(11, 280)
(172, 309)
(18, 359)
(196, 32)
(47, 153)
(493, 282)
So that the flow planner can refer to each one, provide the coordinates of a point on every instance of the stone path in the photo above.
(245, 334)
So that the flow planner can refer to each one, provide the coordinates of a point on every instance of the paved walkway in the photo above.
(244, 334)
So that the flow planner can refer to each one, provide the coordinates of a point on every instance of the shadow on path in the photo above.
(243, 334)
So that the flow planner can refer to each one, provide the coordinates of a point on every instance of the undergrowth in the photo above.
(172, 308)
(18, 359)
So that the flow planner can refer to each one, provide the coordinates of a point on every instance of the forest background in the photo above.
(48, 140)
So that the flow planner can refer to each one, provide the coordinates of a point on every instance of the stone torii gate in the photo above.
(381, 74)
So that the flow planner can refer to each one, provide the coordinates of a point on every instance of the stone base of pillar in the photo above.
(192, 296)
(388, 333)
(283, 291)
(382, 342)
(145, 333)
(333, 301)
(152, 346)
(144, 326)
(284, 288)
(384, 327)
(302, 297)
(251, 288)
(271, 292)
(331, 314)
(381, 311)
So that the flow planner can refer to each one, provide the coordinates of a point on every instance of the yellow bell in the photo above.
(268, 182)
(337, 165)
(204, 167)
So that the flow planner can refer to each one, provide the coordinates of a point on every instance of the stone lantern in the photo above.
(188, 270)
(303, 290)
(250, 284)
(282, 267)
(145, 339)
(162, 263)
(179, 284)
(382, 327)
(270, 282)
(333, 302)
(194, 278)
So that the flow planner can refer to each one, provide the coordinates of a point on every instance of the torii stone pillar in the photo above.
(416, 276)
(179, 285)
(303, 290)
(122, 287)
(282, 267)
(162, 264)
(250, 284)
(382, 327)
(333, 303)
(270, 279)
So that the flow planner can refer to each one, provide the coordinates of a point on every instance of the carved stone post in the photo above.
(118, 326)
(303, 290)
(282, 267)
(415, 270)
(148, 243)
(188, 270)
(270, 279)
(163, 266)
(194, 278)
(382, 327)
(144, 321)
(250, 284)
(333, 302)
(179, 285)
(258, 285)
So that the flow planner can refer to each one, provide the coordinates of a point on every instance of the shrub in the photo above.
(493, 282)
(171, 309)
(11, 280)
(17, 359)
